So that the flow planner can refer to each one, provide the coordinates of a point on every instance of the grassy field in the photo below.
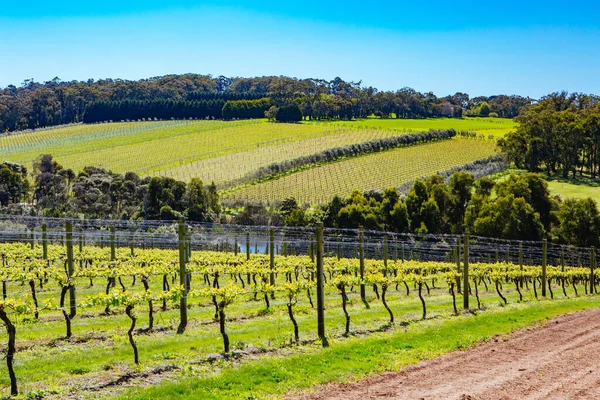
(579, 188)
(212, 150)
(374, 171)
(569, 188)
(485, 126)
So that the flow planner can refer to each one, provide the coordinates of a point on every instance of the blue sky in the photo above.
(482, 48)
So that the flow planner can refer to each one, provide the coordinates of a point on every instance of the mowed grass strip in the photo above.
(374, 171)
(348, 360)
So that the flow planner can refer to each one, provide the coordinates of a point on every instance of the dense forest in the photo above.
(560, 134)
(33, 105)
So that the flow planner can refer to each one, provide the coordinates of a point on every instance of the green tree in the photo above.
(484, 109)
(461, 185)
(399, 219)
(431, 216)
(579, 223)
(509, 218)
(414, 201)
(289, 113)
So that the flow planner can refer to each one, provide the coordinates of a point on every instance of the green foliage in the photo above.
(560, 134)
(243, 109)
(14, 185)
(510, 218)
(579, 223)
(289, 113)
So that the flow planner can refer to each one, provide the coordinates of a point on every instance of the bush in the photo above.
(494, 114)
(289, 113)
(168, 214)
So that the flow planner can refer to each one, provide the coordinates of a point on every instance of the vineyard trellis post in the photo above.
(3, 281)
(247, 245)
(45, 241)
(466, 273)
(458, 270)
(113, 251)
(592, 266)
(385, 253)
(320, 288)
(183, 317)
(272, 259)
(80, 240)
(132, 244)
(521, 263)
(70, 268)
(544, 254)
(361, 247)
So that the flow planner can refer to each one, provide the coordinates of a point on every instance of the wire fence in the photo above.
(288, 240)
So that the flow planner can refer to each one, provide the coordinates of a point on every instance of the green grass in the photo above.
(484, 126)
(580, 187)
(390, 168)
(359, 357)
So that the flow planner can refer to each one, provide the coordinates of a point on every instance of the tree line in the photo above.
(518, 208)
(559, 135)
(97, 193)
(33, 105)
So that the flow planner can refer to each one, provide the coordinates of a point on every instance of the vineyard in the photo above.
(217, 151)
(109, 304)
(391, 168)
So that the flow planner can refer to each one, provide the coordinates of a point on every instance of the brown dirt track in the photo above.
(557, 360)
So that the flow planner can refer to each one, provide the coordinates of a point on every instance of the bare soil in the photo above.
(559, 359)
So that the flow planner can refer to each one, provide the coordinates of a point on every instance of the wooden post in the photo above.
(132, 245)
(320, 288)
(272, 258)
(45, 241)
(361, 240)
(247, 245)
(544, 252)
(3, 281)
(113, 250)
(466, 274)
(395, 249)
(70, 268)
(521, 262)
(183, 317)
(458, 270)
(235, 246)
(385, 251)
(32, 239)
(592, 267)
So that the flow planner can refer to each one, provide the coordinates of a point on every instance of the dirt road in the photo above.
(558, 360)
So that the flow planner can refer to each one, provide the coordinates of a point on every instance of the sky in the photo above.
(529, 48)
